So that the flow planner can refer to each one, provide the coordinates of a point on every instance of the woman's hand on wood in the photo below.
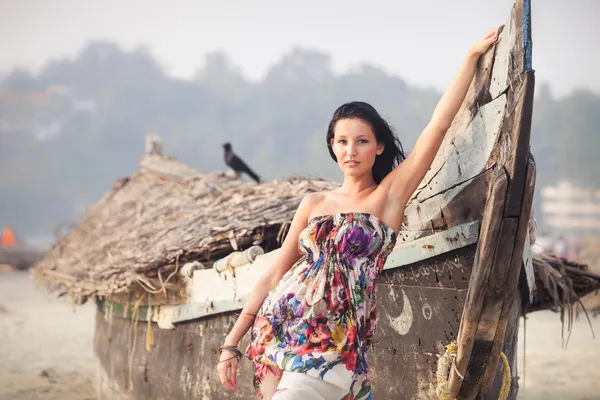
(485, 42)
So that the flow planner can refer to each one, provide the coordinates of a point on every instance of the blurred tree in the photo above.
(68, 133)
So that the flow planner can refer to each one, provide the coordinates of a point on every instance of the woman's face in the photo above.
(355, 146)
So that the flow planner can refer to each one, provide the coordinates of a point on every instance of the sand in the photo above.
(46, 350)
(553, 372)
(45, 345)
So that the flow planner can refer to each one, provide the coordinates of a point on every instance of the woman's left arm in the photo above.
(406, 177)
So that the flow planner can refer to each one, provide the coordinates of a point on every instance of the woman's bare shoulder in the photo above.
(313, 199)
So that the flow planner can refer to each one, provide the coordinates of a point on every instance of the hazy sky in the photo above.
(422, 41)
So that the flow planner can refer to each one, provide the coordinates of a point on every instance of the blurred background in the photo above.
(83, 82)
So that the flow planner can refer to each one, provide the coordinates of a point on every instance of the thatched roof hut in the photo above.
(162, 216)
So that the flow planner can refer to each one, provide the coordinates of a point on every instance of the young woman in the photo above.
(313, 312)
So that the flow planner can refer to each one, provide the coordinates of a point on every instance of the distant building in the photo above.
(567, 209)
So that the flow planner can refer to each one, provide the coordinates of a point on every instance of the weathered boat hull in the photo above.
(419, 312)
(20, 256)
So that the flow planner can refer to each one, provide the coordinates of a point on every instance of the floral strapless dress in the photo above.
(320, 318)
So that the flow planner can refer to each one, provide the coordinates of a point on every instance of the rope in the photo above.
(147, 287)
(136, 313)
(443, 371)
(506, 378)
(446, 362)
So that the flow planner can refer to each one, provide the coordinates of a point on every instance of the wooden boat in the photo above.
(170, 255)
(15, 254)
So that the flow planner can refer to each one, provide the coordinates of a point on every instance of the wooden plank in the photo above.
(506, 42)
(510, 350)
(520, 55)
(193, 311)
(461, 158)
(433, 245)
(491, 309)
(449, 270)
(510, 291)
(462, 208)
(441, 211)
(480, 275)
(518, 126)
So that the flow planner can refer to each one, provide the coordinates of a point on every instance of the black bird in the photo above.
(237, 164)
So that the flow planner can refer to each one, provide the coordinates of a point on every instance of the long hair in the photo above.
(392, 155)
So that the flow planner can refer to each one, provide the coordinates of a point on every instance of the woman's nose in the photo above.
(351, 149)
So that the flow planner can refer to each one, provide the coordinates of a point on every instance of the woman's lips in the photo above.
(352, 163)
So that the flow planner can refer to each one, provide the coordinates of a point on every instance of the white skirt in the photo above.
(296, 385)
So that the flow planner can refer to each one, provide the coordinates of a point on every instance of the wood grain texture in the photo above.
(481, 275)
(510, 291)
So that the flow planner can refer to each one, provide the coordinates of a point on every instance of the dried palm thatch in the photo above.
(164, 215)
(560, 285)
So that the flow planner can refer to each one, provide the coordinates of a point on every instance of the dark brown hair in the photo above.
(392, 155)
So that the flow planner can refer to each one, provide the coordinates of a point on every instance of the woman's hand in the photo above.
(485, 42)
(227, 369)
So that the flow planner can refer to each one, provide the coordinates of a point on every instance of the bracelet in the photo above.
(232, 349)
(243, 313)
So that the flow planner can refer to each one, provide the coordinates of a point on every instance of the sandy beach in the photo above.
(45, 344)
(46, 350)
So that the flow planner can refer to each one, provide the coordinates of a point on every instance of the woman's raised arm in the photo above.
(405, 178)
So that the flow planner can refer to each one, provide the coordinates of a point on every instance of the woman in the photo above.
(313, 312)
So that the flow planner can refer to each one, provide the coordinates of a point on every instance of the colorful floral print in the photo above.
(321, 317)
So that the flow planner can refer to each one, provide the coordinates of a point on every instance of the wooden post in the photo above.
(513, 278)
(493, 287)
(478, 284)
